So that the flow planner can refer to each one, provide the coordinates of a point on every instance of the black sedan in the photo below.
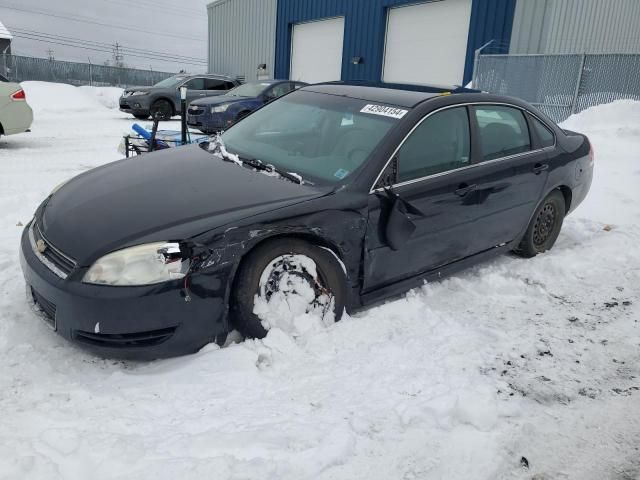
(346, 193)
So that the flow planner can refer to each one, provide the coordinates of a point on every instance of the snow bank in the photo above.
(106, 96)
(57, 98)
(620, 119)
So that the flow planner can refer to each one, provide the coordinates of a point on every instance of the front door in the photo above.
(434, 176)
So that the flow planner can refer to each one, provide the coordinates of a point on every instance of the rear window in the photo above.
(545, 136)
(215, 84)
(503, 131)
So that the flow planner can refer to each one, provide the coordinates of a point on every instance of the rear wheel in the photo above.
(283, 280)
(545, 226)
(162, 108)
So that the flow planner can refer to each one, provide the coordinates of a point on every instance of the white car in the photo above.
(15, 113)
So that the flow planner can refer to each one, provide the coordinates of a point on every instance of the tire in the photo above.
(162, 107)
(545, 226)
(260, 275)
(142, 117)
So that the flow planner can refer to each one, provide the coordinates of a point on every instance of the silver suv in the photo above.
(164, 97)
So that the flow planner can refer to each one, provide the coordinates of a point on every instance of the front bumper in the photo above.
(135, 105)
(208, 122)
(138, 323)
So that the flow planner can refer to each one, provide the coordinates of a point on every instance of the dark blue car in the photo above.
(211, 115)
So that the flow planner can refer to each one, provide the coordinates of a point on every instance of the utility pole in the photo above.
(118, 57)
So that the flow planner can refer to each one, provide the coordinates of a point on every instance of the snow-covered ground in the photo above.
(458, 380)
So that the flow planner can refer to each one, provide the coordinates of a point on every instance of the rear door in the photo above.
(195, 89)
(514, 173)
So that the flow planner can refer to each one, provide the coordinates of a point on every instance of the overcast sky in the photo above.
(169, 27)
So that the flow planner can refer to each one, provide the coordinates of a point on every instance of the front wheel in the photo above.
(545, 226)
(287, 283)
(161, 109)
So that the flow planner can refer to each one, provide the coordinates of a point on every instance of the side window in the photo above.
(439, 144)
(195, 84)
(503, 131)
(279, 90)
(544, 134)
(214, 84)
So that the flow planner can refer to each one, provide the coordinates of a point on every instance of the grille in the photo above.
(46, 307)
(125, 340)
(53, 258)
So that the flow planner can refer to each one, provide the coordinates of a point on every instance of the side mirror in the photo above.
(399, 226)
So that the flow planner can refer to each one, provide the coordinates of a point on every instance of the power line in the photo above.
(92, 43)
(158, 6)
(107, 50)
(93, 21)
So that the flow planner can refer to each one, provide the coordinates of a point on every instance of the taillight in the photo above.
(19, 95)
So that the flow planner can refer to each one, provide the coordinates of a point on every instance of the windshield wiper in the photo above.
(269, 168)
(217, 148)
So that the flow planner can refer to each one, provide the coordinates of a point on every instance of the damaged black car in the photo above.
(354, 192)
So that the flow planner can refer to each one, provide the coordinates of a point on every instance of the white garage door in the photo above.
(316, 51)
(427, 43)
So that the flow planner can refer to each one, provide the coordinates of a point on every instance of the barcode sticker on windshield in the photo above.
(384, 111)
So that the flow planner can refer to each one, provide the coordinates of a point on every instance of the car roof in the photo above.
(272, 81)
(207, 75)
(404, 95)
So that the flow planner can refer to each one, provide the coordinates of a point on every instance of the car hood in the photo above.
(220, 99)
(172, 194)
(138, 89)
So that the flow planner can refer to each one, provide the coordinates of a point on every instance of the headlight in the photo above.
(220, 108)
(141, 265)
(139, 93)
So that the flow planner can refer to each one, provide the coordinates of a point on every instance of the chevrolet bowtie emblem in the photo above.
(41, 246)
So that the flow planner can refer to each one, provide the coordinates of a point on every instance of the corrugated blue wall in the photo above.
(365, 25)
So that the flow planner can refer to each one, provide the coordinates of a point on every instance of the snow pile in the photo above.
(107, 96)
(61, 98)
(459, 379)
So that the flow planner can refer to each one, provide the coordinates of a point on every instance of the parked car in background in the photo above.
(164, 96)
(210, 115)
(16, 115)
(332, 198)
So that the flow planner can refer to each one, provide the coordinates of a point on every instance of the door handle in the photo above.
(202, 94)
(464, 189)
(540, 167)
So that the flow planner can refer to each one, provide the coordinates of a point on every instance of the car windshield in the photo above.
(249, 89)
(171, 81)
(324, 138)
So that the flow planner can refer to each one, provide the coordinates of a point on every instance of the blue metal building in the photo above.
(414, 41)
(366, 24)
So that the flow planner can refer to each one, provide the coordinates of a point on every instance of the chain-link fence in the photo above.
(18, 69)
(561, 85)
